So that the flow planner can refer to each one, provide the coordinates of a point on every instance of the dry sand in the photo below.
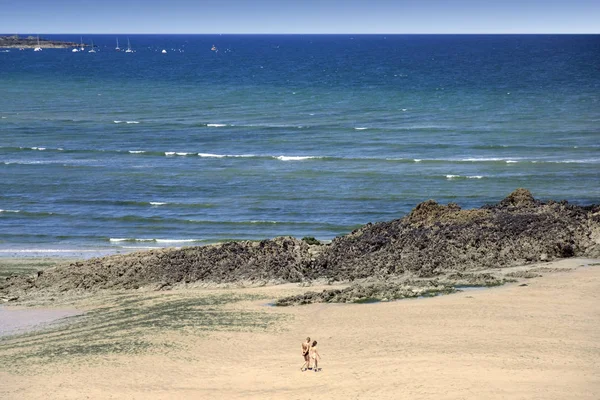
(540, 341)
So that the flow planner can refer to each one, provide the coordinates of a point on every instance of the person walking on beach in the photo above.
(315, 356)
(306, 354)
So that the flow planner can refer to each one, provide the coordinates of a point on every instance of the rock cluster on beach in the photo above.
(432, 241)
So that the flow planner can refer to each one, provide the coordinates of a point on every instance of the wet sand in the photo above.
(540, 341)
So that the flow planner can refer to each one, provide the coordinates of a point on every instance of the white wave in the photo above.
(511, 161)
(452, 176)
(177, 240)
(130, 240)
(360, 128)
(209, 155)
(10, 211)
(417, 160)
(4, 117)
(295, 158)
(475, 177)
(38, 148)
(482, 159)
(133, 122)
(216, 125)
(169, 153)
(47, 251)
(136, 151)
(157, 203)
(580, 161)
(118, 122)
(173, 153)
(184, 154)
(263, 222)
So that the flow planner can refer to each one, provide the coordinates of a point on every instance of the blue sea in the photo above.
(229, 137)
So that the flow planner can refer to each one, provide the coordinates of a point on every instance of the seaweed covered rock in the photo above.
(434, 238)
(374, 292)
(281, 259)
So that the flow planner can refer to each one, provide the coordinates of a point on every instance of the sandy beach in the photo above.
(539, 341)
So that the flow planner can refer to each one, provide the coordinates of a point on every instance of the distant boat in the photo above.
(117, 48)
(38, 48)
(164, 52)
(92, 50)
(82, 47)
(214, 48)
(75, 50)
(128, 47)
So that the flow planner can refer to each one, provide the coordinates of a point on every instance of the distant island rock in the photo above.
(30, 42)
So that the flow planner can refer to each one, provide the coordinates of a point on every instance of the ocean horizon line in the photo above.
(318, 34)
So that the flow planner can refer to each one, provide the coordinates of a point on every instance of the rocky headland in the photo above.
(31, 42)
(432, 249)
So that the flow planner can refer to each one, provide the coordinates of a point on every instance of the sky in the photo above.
(299, 16)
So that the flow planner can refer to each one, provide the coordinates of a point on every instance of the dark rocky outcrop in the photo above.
(432, 240)
(369, 293)
(283, 259)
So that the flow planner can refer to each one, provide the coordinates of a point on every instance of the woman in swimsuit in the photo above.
(314, 356)
(305, 354)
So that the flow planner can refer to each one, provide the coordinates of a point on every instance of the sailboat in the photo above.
(82, 48)
(92, 50)
(128, 47)
(38, 48)
(117, 48)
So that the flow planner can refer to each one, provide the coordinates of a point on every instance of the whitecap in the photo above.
(360, 128)
(263, 222)
(580, 161)
(475, 177)
(118, 122)
(157, 203)
(169, 153)
(136, 151)
(130, 240)
(209, 155)
(47, 251)
(133, 122)
(417, 160)
(482, 159)
(295, 158)
(184, 154)
(10, 211)
(176, 240)
(511, 161)
(216, 125)
(452, 176)
(38, 148)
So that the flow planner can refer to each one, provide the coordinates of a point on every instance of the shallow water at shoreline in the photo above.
(15, 321)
